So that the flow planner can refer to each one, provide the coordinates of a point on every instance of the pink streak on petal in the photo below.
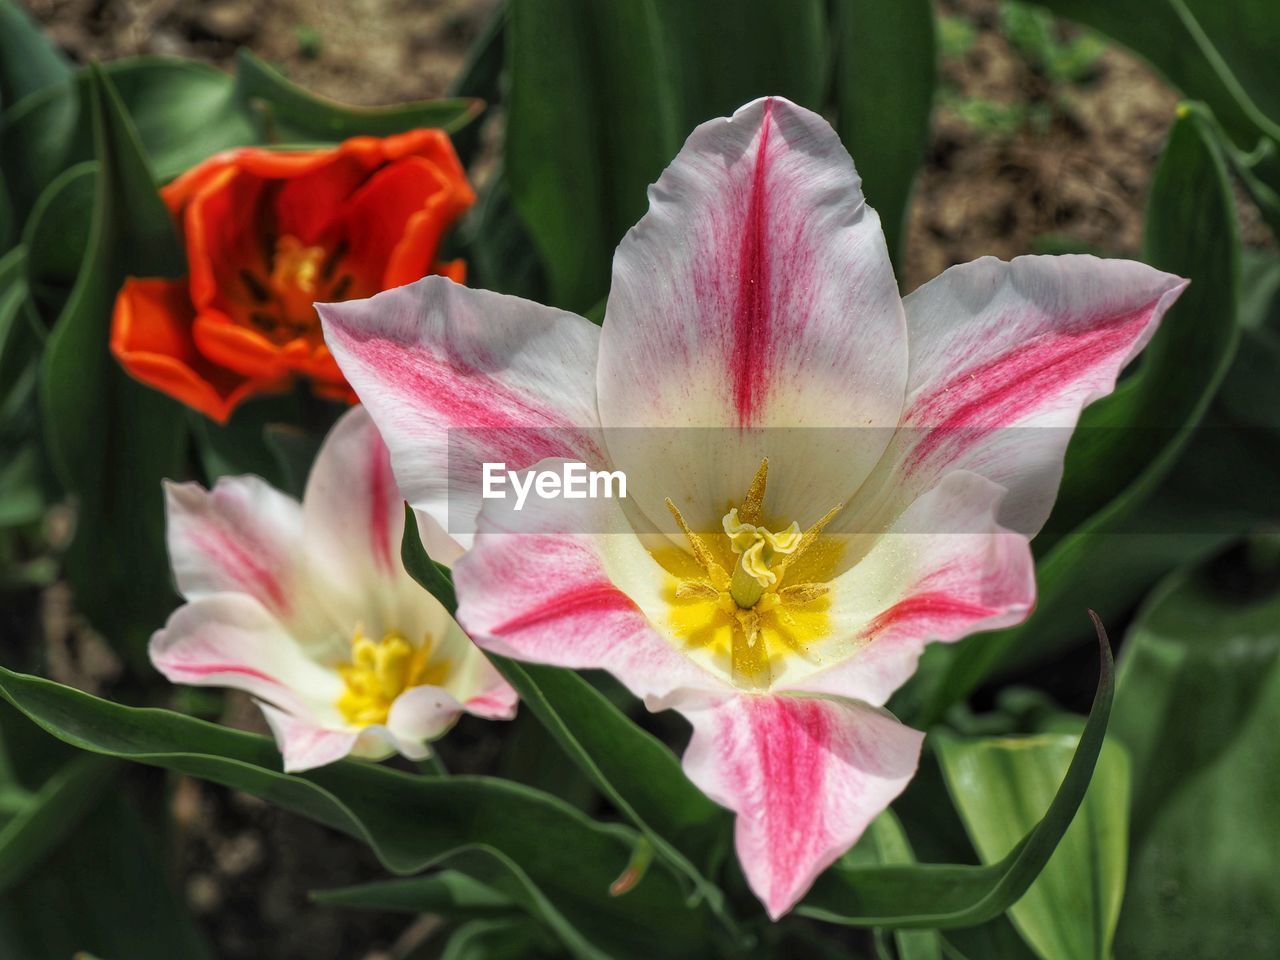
(459, 395)
(496, 704)
(380, 481)
(1012, 386)
(805, 776)
(241, 565)
(924, 608)
(303, 745)
(789, 745)
(175, 669)
(589, 600)
(548, 597)
(490, 421)
(752, 338)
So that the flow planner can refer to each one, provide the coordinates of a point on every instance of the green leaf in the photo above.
(1133, 436)
(886, 66)
(602, 96)
(633, 769)
(431, 576)
(496, 939)
(761, 49)
(1251, 394)
(295, 451)
(293, 114)
(481, 79)
(183, 111)
(500, 255)
(28, 62)
(885, 842)
(56, 236)
(51, 815)
(1120, 541)
(111, 439)
(410, 822)
(92, 880)
(1000, 785)
(1222, 53)
(39, 138)
(250, 441)
(447, 892)
(498, 886)
(19, 341)
(1198, 707)
(592, 118)
(9, 225)
(952, 895)
(102, 893)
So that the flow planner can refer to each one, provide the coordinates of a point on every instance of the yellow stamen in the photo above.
(751, 506)
(701, 552)
(810, 537)
(802, 592)
(295, 278)
(749, 616)
(381, 670)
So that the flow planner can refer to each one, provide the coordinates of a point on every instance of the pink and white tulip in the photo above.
(755, 304)
(307, 607)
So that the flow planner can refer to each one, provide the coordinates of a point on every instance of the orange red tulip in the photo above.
(268, 233)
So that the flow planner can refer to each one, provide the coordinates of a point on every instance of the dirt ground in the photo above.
(1022, 160)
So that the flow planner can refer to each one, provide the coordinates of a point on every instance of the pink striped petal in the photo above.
(514, 381)
(1026, 345)
(473, 681)
(231, 640)
(354, 523)
(305, 746)
(530, 590)
(419, 715)
(756, 292)
(944, 570)
(354, 514)
(498, 702)
(805, 777)
(242, 536)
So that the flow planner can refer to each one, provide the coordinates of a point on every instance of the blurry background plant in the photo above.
(1018, 131)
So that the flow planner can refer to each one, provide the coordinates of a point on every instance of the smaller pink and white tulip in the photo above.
(307, 607)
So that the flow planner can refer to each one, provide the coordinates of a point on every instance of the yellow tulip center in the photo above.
(381, 670)
(296, 275)
(754, 594)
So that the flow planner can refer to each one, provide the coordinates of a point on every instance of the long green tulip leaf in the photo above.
(566, 861)
(952, 895)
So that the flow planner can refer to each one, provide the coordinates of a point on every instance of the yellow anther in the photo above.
(696, 590)
(749, 617)
(810, 537)
(295, 277)
(754, 502)
(802, 592)
(701, 552)
(378, 672)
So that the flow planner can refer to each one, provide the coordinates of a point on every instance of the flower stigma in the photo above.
(381, 670)
(755, 593)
